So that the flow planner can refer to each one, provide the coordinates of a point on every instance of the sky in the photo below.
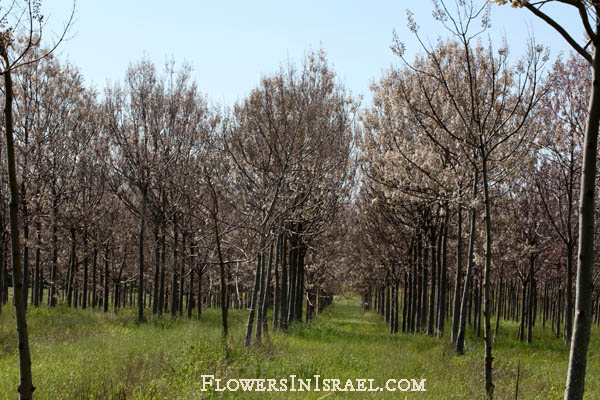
(230, 44)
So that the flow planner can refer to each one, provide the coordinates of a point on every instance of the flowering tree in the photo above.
(589, 15)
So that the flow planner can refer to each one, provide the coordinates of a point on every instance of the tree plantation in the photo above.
(439, 235)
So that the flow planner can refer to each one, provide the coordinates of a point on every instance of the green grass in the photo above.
(87, 354)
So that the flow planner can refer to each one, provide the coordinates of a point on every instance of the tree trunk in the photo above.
(105, 283)
(72, 269)
(585, 265)
(569, 295)
(432, 303)
(489, 385)
(156, 268)
(531, 302)
(26, 385)
(174, 280)
(181, 275)
(53, 272)
(163, 263)
(277, 294)
(250, 324)
(85, 271)
(283, 322)
(94, 282)
(460, 341)
(443, 277)
(262, 320)
(37, 276)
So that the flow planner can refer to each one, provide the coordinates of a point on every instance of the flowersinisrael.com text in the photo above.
(316, 384)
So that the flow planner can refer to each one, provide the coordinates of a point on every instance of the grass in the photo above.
(88, 354)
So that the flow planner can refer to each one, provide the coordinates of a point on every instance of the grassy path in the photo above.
(79, 354)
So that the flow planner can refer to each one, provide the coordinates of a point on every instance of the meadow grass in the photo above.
(88, 354)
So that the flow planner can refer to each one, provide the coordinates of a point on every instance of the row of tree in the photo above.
(237, 201)
(468, 157)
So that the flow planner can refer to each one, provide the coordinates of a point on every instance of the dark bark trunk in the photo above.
(94, 278)
(174, 289)
(155, 302)
(257, 278)
(37, 272)
(300, 282)
(262, 320)
(531, 302)
(181, 275)
(163, 263)
(443, 280)
(277, 294)
(292, 283)
(72, 269)
(105, 283)
(85, 271)
(53, 272)
(26, 385)
(432, 293)
(489, 385)
(283, 321)
(460, 341)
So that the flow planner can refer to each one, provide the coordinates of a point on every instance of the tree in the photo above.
(21, 17)
(589, 15)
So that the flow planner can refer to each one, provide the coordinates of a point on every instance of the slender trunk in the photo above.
(174, 280)
(432, 304)
(181, 275)
(569, 293)
(499, 306)
(460, 340)
(72, 269)
(37, 274)
(94, 282)
(250, 324)
(53, 272)
(199, 294)
(300, 282)
(489, 385)
(140, 294)
(105, 293)
(85, 271)
(262, 320)
(443, 277)
(26, 384)
(277, 295)
(261, 290)
(423, 315)
(156, 268)
(405, 297)
(163, 263)
(531, 302)
(283, 322)
(292, 283)
(190, 302)
(25, 248)
(585, 255)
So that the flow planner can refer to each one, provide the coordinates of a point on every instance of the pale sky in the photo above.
(231, 43)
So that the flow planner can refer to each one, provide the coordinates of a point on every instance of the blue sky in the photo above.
(231, 43)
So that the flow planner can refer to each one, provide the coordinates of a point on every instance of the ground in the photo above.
(88, 354)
